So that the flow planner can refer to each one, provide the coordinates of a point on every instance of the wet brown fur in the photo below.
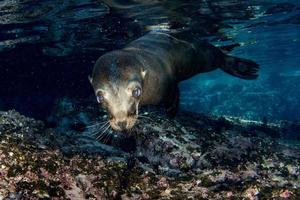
(166, 61)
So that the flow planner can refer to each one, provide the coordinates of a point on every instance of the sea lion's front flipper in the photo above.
(240, 67)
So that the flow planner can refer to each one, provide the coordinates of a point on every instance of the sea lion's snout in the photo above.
(122, 124)
(123, 120)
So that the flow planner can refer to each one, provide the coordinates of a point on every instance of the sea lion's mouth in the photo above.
(124, 124)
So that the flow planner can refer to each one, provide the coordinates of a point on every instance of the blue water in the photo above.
(47, 50)
(275, 95)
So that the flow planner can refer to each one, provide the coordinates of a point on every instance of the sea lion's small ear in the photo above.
(143, 73)
(90, 79)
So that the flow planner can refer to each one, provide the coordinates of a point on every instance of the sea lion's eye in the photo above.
(100, 98)
(136, 92)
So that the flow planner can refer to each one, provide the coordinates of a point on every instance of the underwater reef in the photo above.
(193, 156)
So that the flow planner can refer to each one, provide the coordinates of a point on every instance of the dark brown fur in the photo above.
(166, 61)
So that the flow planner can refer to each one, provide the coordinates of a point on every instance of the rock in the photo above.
(193, 156)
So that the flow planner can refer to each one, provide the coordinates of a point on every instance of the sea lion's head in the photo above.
(117, 80)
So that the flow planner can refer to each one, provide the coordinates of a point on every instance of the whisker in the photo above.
(107, 137)
(95, 132)
(103, 133)
(96, 121)
(98, 134)
(103, 138)
(97, 124)
(92, 122)
(101, 128)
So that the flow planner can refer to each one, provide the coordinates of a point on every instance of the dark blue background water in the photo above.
(47, 50)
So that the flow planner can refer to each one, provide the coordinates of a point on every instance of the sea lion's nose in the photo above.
(122, 124)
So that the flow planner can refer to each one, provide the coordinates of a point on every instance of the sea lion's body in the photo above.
(166, 61)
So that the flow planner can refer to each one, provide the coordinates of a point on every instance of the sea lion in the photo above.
(148, 70)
